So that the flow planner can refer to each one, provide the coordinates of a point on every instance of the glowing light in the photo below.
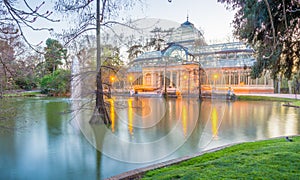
(112, 78)
(215, 76)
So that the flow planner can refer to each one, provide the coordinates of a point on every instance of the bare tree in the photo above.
(107, 12)
(14, 19)
(10, 49)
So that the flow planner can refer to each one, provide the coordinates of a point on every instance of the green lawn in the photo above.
(22, 94)
(269, 159)
(296, 103)
(265, 98)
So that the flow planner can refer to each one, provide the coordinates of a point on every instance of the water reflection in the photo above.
(214, 119)
(143, 131)
(145, 135)
(184, 120)
(112, 114)
(130, 117)
(48, 143)
(212, 114)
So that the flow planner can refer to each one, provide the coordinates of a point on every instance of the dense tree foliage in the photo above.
(111, 64)
(272, 27)
(20, 67)
(134, 51)
(54, 54)
(57, 83)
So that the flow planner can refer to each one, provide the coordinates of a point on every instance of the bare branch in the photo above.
(24, 18)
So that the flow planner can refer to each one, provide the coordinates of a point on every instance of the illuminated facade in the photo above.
(188, 61)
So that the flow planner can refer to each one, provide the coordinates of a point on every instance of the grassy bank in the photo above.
(23, 94)
(266, 98)
(269, 159)
(263, 98)
(296, 103)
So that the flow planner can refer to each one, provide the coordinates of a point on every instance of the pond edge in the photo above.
(139, 172)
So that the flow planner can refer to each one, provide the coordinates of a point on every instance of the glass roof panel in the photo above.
(150, 55)
(187, 35)
(187, 40)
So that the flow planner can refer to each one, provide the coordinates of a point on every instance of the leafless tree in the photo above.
(95, 15)
(14, 19)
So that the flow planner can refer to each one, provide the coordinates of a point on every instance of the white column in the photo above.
(272, 83)
(152, 78)
(160, 78)
(144, 79)
(171, 78)
(177, 79)
(229, 77)
(290, 86)
(239, 79)
(164, 79)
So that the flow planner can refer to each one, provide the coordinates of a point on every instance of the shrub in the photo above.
(26, 82)
(57, 83)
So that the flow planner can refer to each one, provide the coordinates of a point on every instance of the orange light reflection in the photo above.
(130, 117)
(214, 126)
(184, 119)
(112, 114)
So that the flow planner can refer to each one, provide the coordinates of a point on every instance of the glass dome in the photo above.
(187, 35)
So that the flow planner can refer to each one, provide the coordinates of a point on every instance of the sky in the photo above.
(209, 16)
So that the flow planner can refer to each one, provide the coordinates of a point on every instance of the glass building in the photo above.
(188, 62)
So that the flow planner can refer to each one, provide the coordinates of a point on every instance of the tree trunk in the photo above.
(284, 14)
(272, 24)
(100, 104)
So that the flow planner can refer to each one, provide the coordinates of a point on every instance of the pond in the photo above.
(41, 138)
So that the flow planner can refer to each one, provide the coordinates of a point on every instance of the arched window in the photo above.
(148, 79)
(176, 54)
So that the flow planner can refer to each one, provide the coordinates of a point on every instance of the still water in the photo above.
(43, 139)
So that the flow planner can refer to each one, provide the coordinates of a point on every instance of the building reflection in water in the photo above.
(130, 116)
(170, 128)
(143, 115)
(174, 121)
(214, 121)
(284, 122)
(148, 129)
(291, 126)
(112, 114)
(184, 119)
(150, 118)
